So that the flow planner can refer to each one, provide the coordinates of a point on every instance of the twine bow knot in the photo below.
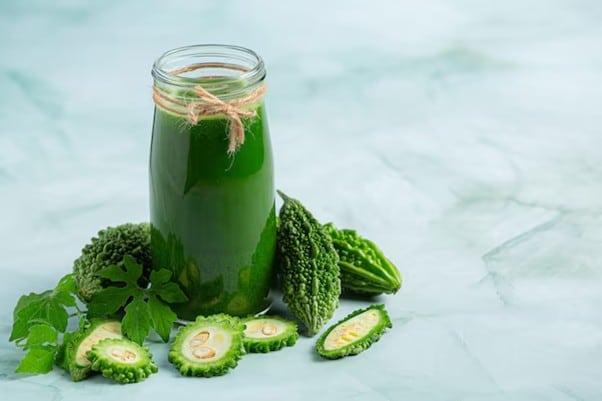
(210, 105)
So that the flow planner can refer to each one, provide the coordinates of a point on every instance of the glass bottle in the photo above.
(212, 208)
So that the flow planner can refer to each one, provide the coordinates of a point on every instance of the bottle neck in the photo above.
(227, 72)
(202, 81)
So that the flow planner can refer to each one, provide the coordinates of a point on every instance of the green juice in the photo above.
(212, 214)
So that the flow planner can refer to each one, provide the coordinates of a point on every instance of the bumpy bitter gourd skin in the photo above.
(364, 268)
(268, 333)
(122, 360)
(209, 346)
(307, 266)
(355, 333)
(107, 249)
(76, 360)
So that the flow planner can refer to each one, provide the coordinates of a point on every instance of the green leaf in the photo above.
(38, 360)
(21, 328)
(162, 316)
(170, 293)
(59, 359)
(38, 308)
(48, 310)
(47, 307)
(41, 334)
(136, 323)
(159, 277)
(115, 274)
(66, 284)
(109, 300)
(133, 269)
(65, 299)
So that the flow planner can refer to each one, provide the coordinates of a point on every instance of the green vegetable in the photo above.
(108, 249)
(122, 360)
(38, 323)
(145, 308)
(355, 333)
(268, 333)
(76, 360)
(307, 266)
(364, 268)
(209, 346)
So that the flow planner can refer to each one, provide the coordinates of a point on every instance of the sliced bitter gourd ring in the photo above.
(76, 359)
(269, 333)
(355, 333)
(122, 360)
(209, 346)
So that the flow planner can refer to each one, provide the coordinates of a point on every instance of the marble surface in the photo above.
(463, 136)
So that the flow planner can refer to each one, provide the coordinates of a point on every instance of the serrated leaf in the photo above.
(171, 293)
(26, 300)
(65, 298)
(20, 329)
(159, 277)
(47, 307)
(44, 308)
(115, 274)
(52, 312)
(38, 360)
(136, 323)
(66, 284)
(133, 269)
(109, 300)
(162, 316)
(41, 334)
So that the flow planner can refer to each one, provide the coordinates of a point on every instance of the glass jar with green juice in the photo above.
(212, 207)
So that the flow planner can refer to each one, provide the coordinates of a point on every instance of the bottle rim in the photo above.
(189, 66)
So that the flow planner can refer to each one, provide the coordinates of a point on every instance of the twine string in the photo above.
(210, 105)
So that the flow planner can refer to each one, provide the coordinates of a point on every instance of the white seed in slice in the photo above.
(269, 330)
(209, 343)
(262, 328)
(352, 330)
(199, 339)
(123, 354)
(204, 352)
(107, 330)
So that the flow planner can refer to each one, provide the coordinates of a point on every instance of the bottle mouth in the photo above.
(226, 71)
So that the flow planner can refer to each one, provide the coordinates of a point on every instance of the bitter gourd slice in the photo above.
(76, 358)
(209, 346)
(268, 333)
(355, 333)
(122, 360)
(364, 268)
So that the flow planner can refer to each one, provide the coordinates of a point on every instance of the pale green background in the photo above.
(464, 137)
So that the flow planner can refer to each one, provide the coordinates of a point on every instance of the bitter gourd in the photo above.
(209, 346)
(308, 267)
(122, 360)
(364, 268)
(108, 249)
(76, 359)
(355, 333)
(268, 333)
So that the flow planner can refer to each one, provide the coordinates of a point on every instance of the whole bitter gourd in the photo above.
(108, 249)
(364, 268)
(308, 267)
(122, 360)
(268, 333)
(355, 333)
(209, 346)
(76, 360)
